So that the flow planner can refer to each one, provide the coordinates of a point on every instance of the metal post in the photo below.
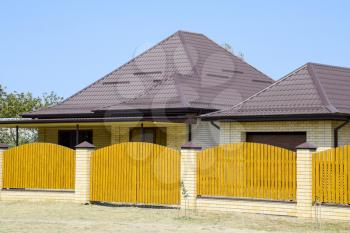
(142, 133)
(17, 135)
(77, 135)
(189, 132)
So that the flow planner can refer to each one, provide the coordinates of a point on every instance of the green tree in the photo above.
(12, 105)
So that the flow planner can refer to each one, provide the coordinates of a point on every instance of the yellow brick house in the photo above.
(156, 97)
(310, 104)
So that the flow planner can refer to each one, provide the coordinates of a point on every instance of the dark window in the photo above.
(288, 140)
(151, 135)
(68, 138)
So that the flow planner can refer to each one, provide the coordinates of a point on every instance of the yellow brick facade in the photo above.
(319, 133)
(112, 134)
(343, 134)
(101, 135)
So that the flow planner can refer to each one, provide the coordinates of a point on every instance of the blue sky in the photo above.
(63, 46)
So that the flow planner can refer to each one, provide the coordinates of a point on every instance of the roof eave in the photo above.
(175, 119)
(338, 116)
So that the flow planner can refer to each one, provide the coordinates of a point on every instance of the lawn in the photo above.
(68, 218)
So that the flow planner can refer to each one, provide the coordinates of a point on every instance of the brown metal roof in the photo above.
(313, 89)
(184, 71)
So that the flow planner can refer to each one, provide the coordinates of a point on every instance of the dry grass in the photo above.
(73, 218)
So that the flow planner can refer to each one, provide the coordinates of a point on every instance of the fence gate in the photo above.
(247, 170)
(331, 176)
(136, 173)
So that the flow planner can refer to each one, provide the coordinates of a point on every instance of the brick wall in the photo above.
(343, 133)
(204, 134)
(101, 135)
(176, 133)
(319, 133)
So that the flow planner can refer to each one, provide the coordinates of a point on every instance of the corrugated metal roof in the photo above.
(312, 89)
(186, 70)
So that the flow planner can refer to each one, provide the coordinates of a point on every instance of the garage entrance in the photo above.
(287, 140)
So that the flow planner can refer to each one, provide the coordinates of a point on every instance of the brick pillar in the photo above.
(82, 172)
(304, 180)
(189, 175)
(3, 147)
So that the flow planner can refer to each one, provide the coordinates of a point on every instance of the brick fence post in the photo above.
(304, 180)
(82, 172)
(189, 175)
(3, 147)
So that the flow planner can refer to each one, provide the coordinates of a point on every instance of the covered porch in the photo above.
(104, 132)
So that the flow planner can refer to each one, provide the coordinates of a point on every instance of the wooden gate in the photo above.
(39, 166)
(331, 176)
(136, 173)
(247, 170)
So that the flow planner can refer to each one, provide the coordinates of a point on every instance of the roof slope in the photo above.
(186, 70)
(313, 89)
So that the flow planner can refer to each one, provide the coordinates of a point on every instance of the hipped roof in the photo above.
(184, 71)
(312, 90)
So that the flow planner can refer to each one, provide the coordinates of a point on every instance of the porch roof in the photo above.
(39, 123)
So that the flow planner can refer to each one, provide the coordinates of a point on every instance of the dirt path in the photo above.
(73, 218)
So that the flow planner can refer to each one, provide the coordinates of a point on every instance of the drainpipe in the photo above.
(142, 133)
(214, 124)
(336, 132)
(189, 132)
(77, 135)
(17, 135)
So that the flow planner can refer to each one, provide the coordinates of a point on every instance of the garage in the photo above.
(288, 140)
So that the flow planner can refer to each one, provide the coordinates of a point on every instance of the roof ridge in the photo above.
(258, 93)
(189, 32)
(329, 66)
(184, 45)
(178, 87)
(320, 90)
(231, 54)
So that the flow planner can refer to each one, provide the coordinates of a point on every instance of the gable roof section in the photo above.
(313, 89)
(186, 70)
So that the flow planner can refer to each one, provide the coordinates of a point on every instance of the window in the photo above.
(151, 135)
(67, 138)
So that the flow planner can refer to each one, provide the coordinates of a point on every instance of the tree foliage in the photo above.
(13, 104)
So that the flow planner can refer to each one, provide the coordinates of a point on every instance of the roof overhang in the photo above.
(125, 113)
(296, 117)
(33, 123)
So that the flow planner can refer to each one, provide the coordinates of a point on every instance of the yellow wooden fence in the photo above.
(136, 172)
(331, 176)
(247, 170)
(39, 166)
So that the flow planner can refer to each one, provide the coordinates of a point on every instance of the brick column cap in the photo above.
(85, 145)
(306, 146)
(3, 146)
(191, 146)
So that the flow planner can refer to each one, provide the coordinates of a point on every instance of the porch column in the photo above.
(82, 172)
(304, 180)
(189, 175)
(3, 147)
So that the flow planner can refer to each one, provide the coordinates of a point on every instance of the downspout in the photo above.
(17, 135)
(189, 132)
(142, 133)
(214, 124)
(335, 132)
(77, 134)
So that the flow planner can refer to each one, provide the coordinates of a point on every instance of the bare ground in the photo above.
(73, 218)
